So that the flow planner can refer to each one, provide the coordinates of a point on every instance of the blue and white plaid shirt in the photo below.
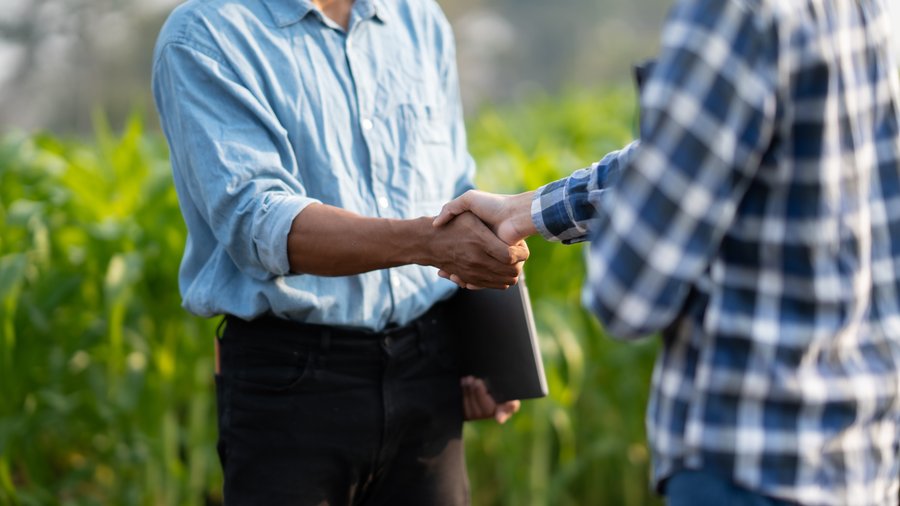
(757, 225)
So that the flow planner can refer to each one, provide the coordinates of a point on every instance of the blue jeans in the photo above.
(702, 488)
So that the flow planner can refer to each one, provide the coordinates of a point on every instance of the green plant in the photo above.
(106, 385)
(106, 392)
(585, 442)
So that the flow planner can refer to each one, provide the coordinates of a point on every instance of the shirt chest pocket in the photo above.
(425, 163)
(425, 124)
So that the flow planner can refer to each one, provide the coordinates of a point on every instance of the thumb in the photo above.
(506, 410)
(451, 210)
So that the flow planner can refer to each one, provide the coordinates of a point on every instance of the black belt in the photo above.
(290, 329)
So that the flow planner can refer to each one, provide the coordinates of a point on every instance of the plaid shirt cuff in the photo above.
(564, 210)
(553, 213)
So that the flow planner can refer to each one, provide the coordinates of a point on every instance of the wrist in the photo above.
(417, 235)
(520, 214)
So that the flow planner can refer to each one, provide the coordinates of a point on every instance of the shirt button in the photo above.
(367, 124)
(383, 202)
(395, 282)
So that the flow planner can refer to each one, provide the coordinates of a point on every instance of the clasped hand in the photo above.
(508, 216)
(466, 247)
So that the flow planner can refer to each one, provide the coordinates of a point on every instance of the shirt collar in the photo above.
(288, 12)
(372, 9)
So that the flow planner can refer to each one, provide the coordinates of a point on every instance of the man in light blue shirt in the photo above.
(311, 141)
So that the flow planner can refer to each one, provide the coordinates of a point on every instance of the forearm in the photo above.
(329, 241)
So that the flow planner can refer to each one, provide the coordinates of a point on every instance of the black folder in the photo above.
(498, 342)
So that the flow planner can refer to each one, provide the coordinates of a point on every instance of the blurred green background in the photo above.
(59, 59)
(106, 392)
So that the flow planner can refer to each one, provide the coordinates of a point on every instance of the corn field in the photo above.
(106, 391)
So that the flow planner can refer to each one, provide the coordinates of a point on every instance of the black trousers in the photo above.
(313, 415)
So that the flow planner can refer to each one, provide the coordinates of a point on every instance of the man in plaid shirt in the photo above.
(756, 224)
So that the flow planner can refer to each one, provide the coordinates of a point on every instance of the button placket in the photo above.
(367, 120)
(369, 128)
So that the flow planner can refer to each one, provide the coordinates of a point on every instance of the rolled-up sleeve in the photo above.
(232, 160)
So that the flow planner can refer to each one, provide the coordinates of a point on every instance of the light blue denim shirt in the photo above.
(269, 106)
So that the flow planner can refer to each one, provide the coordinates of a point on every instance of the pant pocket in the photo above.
(258, 369)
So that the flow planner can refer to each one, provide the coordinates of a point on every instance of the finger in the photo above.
(491, 244)
(452, 209)
(476, 267)
(452, 277)
(486, 403)
(472, 407)
(506, 410)
(519, 252)
(488, 268)
(468, 406)
(493, 285)
(459, 281)
(496, 280)
(479, 285)
(519, 267)
(499, 250)
(497, 271)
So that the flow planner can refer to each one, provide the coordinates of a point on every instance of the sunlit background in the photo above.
(106, 391)
(62, 59)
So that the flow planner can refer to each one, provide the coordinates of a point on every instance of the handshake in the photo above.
(497, 225)
(490, 230)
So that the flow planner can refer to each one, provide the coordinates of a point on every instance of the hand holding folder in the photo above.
(478, 403)
(498, 343)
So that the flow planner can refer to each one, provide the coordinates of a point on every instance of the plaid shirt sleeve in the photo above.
(564, 210)
(707, 115)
